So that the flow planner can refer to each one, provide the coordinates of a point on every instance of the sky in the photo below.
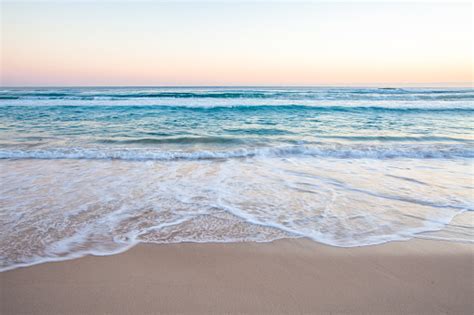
(151, 43)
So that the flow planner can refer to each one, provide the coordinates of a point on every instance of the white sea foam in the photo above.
(242, 103)
(358, 151)
(69, 208)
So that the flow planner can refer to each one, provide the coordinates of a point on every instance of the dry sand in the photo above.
(286, 276)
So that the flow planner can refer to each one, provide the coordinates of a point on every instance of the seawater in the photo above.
(98, 170)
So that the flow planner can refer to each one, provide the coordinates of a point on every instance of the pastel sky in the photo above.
(235, 43)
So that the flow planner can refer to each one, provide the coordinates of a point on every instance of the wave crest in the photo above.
(324, 151)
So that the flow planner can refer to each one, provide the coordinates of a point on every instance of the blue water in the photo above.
(110, 167)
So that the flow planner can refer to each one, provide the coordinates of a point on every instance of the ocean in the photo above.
(98, 170)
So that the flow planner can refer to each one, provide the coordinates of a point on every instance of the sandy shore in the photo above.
(287, 276)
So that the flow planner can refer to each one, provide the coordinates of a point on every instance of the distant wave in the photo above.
(409, 107)
(145, 94)
(339, 152)
(225, 93)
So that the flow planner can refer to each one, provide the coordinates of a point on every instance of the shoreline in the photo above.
(283, 276)
(297, 238)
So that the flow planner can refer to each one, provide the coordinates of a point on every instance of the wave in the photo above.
(124, 204)
(399, 138)
(399, 108)
(168, 139)
(175, 140)
(324, 151)
(255, 93)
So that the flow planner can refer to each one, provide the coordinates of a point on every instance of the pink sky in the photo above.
(146, 43)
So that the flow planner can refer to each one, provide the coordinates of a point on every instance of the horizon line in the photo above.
(419, 85)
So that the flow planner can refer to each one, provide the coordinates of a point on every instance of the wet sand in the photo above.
(286, 276)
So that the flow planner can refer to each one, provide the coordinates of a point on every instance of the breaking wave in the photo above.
(334, 151)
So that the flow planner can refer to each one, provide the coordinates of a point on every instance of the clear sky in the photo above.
(235, 43)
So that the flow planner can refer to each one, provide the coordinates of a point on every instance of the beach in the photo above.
(224, 157)
(284, 276)
(144, 200)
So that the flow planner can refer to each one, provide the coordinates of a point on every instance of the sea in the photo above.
(97, 170)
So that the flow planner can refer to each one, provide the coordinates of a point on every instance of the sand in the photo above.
(286, 276)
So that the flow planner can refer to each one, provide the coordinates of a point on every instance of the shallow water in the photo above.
(96, 170)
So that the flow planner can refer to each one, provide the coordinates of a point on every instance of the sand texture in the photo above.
(286, 276)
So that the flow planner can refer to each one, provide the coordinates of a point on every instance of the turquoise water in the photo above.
(97, 170)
